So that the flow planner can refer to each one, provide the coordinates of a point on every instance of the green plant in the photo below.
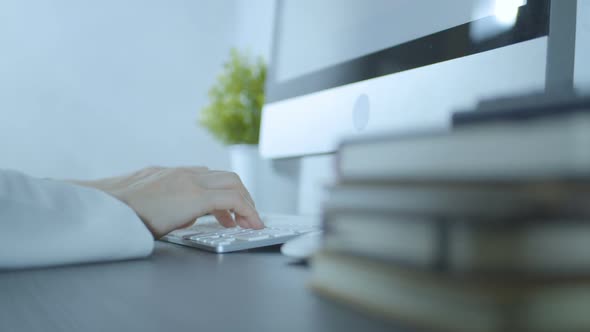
(235, 101)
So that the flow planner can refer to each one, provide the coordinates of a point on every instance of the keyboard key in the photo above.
(251, 237)
(222, 241)
(305, 230)
(231, 230)
(235, 232)
(185, 232)
(203, 238)
(277, 233)
(204, 233)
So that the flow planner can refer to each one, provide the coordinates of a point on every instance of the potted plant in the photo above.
(234, 111)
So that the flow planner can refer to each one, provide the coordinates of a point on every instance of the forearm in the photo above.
(46, 222)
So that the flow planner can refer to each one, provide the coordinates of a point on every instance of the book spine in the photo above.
(515, 152)
(518, 113)
(548, 249)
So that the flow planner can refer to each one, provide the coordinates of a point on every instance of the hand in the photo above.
(170, 198)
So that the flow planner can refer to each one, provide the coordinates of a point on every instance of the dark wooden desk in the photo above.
(177, 289)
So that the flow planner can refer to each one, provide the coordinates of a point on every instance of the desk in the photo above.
(177, 289)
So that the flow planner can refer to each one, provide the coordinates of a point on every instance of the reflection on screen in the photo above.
(318, 34)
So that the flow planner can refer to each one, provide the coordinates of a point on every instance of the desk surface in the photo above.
(177, 289)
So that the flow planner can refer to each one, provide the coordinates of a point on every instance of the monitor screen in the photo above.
(336, 31)
(347, 67)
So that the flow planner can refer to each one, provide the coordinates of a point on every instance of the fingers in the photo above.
(242, 220)
(148, 171)
(228, 180)
(225, 180)
(231, 199)
(225, 218)
(224, 191)
(197, 169)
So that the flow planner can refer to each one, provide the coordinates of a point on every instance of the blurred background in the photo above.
(91, 89)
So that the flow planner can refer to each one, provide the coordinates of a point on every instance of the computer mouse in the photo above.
(303, 246)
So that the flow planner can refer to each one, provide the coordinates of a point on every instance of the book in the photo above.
(522, 108)
(545, 148)
(459, 200)
(521, 247)
(441, 303)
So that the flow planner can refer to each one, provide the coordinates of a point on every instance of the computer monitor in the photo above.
(343, 68)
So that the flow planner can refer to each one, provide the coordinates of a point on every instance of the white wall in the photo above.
(254, 25)
(95, 88)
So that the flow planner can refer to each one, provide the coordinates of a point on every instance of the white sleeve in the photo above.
(46, 222)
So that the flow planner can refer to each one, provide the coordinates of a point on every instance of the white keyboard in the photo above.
(209, 235)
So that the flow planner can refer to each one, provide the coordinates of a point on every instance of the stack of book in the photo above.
(483, 228)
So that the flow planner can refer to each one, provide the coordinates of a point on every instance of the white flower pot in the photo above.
(244, 159)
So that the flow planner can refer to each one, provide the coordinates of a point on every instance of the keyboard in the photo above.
(208, 234)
